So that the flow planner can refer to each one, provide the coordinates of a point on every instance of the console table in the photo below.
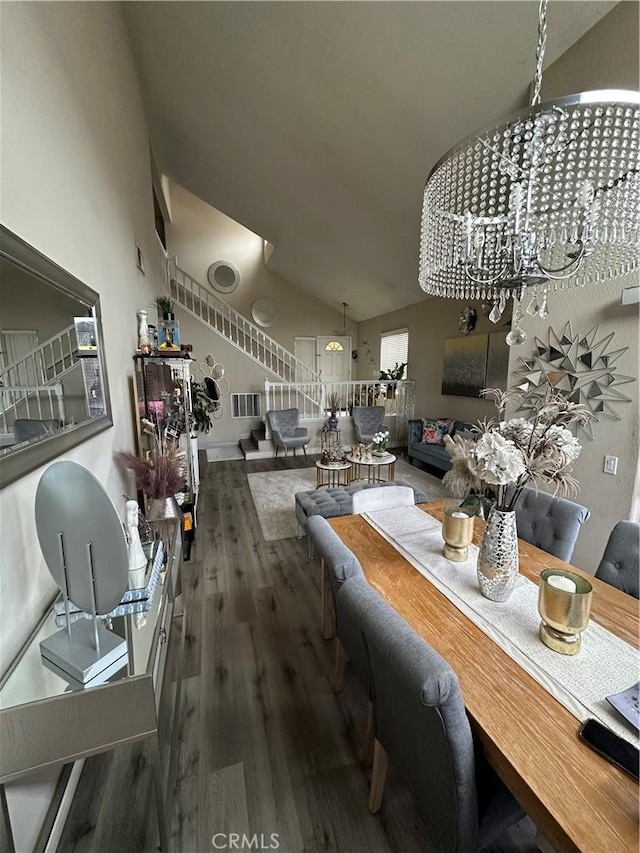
(44, 721)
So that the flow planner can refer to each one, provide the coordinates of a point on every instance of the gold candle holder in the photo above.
(457, 532)
(564, 603)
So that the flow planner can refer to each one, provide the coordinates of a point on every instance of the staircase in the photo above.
(34, 380)
(225, 321)
(257, 445)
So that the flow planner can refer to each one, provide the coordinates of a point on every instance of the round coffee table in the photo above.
(373, 468)
(338, 474)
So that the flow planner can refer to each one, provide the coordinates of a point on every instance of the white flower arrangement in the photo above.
(380, 439)
(509, 454)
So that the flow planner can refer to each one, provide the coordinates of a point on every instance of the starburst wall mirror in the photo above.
(582, 367)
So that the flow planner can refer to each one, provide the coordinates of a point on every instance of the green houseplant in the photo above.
(165, 305)
(201, 407)
(394, 375)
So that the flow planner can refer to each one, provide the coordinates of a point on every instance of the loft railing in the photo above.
(214, 312)
(41, 366)
(312, 399)
(35, 402)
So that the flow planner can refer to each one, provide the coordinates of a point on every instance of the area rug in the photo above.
(273, 494)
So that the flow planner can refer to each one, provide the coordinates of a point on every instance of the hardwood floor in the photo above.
(263, 747)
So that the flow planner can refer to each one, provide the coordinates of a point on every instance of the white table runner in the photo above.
(604, 665)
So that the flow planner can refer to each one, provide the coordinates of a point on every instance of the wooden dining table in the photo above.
(577, 799)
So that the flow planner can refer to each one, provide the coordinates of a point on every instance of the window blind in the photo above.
(394, 348)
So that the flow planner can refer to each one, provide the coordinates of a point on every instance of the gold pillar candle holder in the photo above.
(457, 532)
(564, 603)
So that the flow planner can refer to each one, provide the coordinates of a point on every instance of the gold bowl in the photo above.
(457, 532)
(564, 603)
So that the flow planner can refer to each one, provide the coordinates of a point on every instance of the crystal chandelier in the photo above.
(545, 200)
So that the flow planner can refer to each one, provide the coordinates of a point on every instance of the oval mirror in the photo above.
(223, 276)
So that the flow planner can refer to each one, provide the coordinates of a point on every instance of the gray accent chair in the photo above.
(24, 429)
(550, 523)
(367, 421)
(285, 431)
(420, 723)
(620, 564)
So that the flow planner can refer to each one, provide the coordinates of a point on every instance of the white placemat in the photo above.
(604, 665)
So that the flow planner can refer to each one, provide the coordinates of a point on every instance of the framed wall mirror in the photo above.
(54, 392)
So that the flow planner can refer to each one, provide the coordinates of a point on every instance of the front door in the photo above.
(334, 358)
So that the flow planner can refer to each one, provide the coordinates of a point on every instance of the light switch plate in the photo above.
(610, 465)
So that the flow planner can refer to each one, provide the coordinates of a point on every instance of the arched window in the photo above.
(334, 346)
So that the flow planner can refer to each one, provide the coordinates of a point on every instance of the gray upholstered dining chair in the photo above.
(620, 564)
(367, 421)
(337, 563)
(421, 724)
(339, 566)
(285, 431)
(550, 523)
(382, 497)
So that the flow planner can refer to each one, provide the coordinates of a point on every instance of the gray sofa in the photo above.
(431, 454)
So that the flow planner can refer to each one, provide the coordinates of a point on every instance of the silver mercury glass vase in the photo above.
(498, 556)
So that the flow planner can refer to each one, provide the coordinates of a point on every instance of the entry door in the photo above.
(334, 358)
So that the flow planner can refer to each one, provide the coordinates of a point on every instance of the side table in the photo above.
(338, 474)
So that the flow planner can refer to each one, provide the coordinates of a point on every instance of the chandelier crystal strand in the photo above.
(548, 199)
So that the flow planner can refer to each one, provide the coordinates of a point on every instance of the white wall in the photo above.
(199, 235)
(76, 184)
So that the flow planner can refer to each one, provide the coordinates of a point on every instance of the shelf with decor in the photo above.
(163, 412)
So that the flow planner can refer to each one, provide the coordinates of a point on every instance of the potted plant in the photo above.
(201, 407)
(394, 375)
(159, 475)
(164, 306)
(333, 402)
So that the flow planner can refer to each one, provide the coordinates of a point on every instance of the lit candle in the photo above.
(560, 582)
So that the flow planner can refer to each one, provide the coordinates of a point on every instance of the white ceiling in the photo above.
(315, 125)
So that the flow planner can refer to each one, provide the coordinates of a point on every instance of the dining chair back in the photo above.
(549, 522)
(285, 431)
(382, 497)
(338, 565)
(421, 724)
(367, 421)
(620, 564)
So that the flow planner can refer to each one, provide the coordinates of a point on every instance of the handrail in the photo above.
(214, 312)
(34, 397)
(44, 362)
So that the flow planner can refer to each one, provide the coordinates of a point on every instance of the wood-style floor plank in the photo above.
(262, 744)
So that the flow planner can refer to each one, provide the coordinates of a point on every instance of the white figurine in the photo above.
(137, 557)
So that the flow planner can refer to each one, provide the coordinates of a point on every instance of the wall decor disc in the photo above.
(264, 312)
(223, 276)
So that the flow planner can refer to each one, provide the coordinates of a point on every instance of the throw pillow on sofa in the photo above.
(434, 431)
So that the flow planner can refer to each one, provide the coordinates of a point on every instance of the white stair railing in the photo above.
(39, 402)
(397, 397)
(215, 313)
(42, 365)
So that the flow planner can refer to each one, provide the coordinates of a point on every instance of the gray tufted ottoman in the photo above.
(332, 502)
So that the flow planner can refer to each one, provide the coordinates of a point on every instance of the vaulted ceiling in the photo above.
(315, 124)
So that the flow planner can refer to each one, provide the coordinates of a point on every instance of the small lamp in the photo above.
(457, 532)
(564, 603)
